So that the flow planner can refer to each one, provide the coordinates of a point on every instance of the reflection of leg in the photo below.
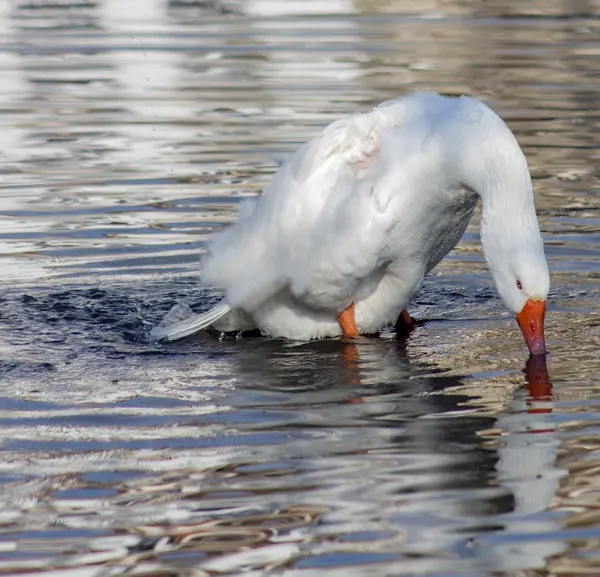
(346, 320)
(405, 323)
(350, 355)
(350, 360)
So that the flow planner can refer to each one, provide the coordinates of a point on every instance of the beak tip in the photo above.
(537, 348)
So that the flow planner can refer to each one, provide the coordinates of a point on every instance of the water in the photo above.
(130, 131)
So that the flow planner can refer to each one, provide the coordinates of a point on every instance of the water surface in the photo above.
(129, 132)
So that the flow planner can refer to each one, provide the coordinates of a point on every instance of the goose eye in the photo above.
(519, 285)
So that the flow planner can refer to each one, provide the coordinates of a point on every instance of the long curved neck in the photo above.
(508, 211)
(489, 161)
(484, 156)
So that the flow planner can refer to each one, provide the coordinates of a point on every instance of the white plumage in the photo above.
(360, 214)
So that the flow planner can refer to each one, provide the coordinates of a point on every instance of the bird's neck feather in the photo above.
(491, 163)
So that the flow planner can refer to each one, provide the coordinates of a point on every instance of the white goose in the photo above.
(346, 230)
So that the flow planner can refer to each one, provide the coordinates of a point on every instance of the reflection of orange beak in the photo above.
(538, 384)
(531, 321)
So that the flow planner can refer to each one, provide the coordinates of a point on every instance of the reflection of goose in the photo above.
(527, 454)
(325, 373)
(344, 234)
(528, 450)
(409, 450)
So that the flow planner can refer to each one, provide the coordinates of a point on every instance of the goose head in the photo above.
(522, 280)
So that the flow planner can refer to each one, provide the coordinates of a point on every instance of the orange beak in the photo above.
(531, 321)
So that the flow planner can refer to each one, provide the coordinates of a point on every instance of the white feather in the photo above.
(189, 326)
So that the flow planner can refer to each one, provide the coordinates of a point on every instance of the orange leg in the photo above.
(346, 320)
(405, 318)
(405, 324)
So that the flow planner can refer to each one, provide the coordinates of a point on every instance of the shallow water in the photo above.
(130, 131)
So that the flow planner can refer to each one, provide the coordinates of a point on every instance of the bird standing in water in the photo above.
(346, 230)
